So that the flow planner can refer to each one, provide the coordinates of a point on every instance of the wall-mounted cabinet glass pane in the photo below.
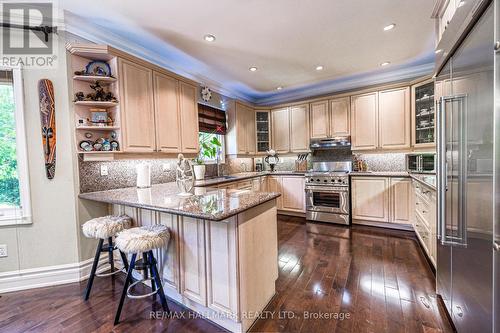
(263, 135)
(424, 114)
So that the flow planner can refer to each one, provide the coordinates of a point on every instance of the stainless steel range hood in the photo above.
(330, 143)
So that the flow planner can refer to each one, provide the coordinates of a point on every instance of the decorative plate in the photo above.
(98, 68)
(206, 94)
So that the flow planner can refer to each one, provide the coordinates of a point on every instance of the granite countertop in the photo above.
(380, 173)
(244, 175)
(426, 179)
(206, 203)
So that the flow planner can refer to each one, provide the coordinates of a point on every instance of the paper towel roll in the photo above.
(143, 175)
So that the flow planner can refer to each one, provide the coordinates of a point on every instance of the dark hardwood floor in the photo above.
(379, 281)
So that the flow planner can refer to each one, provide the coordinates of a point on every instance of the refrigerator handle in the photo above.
(441, 162)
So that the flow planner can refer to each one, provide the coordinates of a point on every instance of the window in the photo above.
(14, 188)
(207, 137)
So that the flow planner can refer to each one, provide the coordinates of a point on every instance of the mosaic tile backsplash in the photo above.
(384, 161)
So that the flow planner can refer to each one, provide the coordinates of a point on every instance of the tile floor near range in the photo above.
(378, 281)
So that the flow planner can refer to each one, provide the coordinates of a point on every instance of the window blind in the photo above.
(211, 119)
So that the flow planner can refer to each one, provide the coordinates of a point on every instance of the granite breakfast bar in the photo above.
(222, 259)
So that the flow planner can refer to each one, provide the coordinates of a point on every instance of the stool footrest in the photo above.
(135, 296)
(110, 273)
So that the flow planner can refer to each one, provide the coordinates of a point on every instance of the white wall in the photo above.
(52, 238)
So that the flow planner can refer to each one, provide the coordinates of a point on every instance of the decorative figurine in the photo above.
(184, 176)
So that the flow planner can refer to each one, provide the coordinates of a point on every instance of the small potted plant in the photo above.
(210, 147)
(199, 168)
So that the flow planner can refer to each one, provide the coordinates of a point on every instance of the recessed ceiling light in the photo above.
(385, 63)
(438, 51)
(389, 27)
(279, 88)
(209, 38)
(252, 69)
(319, 68)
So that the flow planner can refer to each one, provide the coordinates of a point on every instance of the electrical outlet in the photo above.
(104, 170)
(166, 166)
(3, 250)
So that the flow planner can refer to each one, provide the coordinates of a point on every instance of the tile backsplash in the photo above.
(384, 161)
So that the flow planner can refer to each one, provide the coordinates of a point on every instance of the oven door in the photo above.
(327, 199)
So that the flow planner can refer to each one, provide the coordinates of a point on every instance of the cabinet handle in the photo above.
(496, 246)
(416, 203)
(424, 211)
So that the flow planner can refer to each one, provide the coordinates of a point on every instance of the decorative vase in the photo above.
(199, 171)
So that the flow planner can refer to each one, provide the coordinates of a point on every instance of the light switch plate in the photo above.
(104, 170)
(3, 250)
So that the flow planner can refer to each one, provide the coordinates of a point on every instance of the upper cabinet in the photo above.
(424, 113)
(136, 91)
(263, 128)
(189, 117)
(166, 97)
(241, 137)
(340, 114)
(159, 113)
(299, 128)
(330, 118)
(280, 130)
(394, 118)
(364, 125)
(290, 129)
(320, 120)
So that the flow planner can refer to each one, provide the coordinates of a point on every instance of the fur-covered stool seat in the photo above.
(105, 228)
(142, 241)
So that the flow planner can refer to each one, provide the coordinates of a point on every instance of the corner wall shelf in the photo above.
(94, 78)
(96, 103)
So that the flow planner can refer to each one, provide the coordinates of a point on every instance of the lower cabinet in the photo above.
(381, 199)
(274, 185)
(424, 217)
(293, 194)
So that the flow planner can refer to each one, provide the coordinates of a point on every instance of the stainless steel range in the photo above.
(327, 192)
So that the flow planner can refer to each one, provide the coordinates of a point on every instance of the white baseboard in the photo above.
(49, 275)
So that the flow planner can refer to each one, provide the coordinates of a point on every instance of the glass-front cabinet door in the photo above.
(424, 114)
(263, 130)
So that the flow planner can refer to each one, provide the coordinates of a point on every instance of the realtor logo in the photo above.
(28, 35)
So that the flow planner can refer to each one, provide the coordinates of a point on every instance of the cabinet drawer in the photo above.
(245, 185)
(425, 192)
(422, 208)
(423, 234)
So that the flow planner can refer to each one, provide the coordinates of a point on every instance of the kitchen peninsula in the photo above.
(220, 241)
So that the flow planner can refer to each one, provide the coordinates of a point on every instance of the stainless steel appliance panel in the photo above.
(496, 176)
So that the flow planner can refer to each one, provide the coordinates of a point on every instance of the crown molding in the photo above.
(348, 83)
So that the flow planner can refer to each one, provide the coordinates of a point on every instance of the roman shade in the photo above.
(211, 119)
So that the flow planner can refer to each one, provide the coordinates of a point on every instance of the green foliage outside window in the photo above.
(210, 147)
(9, 181)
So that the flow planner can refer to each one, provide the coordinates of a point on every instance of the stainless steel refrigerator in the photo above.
(467, 83)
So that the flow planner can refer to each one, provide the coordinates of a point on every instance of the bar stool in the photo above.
(143, 240)
(102, 228)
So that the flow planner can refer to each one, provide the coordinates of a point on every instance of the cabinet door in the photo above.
(169, 258)
(280, 124)
(137, 111)
(364, 121)
(400, 191)
(293, 194)
(319, 120)
(299, 128)
(167, 120)
(394, 118)
(192, 259)
(340, 121)
(370, 198)
(189, 117)
(241, 128)
(274, 185)
(251, 139)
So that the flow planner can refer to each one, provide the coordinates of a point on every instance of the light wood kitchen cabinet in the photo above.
(189, 117)
(167, 115)
(242, 136)
(251, 136)
(170, 261)
(299, 128)
(400, 192)
(364, 121)
(340, 114)
(192, 260)
(293, 195)
(394, 118)
(424, 217)
(370, 198)
(280, 130)
(274, 185)
(320, 120)
(137, 107)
